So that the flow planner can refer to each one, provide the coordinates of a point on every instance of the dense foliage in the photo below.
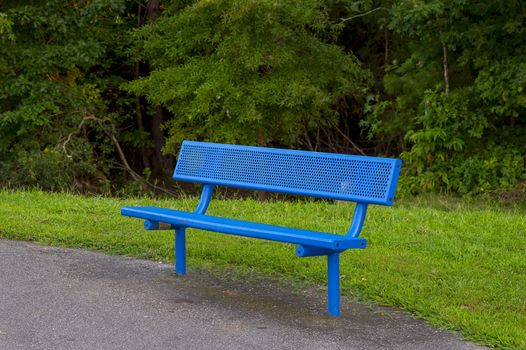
(97, 92)
(59, 65)
(254, 71)
(458, 93)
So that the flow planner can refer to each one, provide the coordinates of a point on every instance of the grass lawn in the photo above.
(459, 265)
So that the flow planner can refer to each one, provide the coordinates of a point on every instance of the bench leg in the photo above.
(333, 269)
(180, 251)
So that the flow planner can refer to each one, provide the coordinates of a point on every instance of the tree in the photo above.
(250, 72)
(58, 97)
(457, 93)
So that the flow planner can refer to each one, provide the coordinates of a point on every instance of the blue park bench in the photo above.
(364, 180)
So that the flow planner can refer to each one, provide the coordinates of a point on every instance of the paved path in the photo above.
(54, 298)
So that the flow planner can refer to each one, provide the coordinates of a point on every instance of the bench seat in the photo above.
(185, 219)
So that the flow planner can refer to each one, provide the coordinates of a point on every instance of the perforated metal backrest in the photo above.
(326, 175)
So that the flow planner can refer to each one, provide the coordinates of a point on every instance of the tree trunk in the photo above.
(386, 48)
(162, 164)
(140, 125)
(153, 10)
(446, 69)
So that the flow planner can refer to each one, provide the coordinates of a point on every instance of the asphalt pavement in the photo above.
(56, 298)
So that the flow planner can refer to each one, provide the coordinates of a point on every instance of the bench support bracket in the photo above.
(333, 284)
(180, 251)
(304, 251)
(206, 195)
(358, 219)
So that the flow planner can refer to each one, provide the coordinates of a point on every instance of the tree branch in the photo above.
(363, 14)
(113, 138)
(133, 174)
(355, 146)
(309, 144)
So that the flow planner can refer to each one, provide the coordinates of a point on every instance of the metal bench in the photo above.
(364, 180)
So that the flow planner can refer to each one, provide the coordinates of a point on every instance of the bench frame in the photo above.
(333, 257)
(302, 250)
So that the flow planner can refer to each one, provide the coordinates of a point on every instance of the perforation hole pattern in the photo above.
(292, 172)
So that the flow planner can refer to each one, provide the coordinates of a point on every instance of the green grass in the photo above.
(459, 265)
